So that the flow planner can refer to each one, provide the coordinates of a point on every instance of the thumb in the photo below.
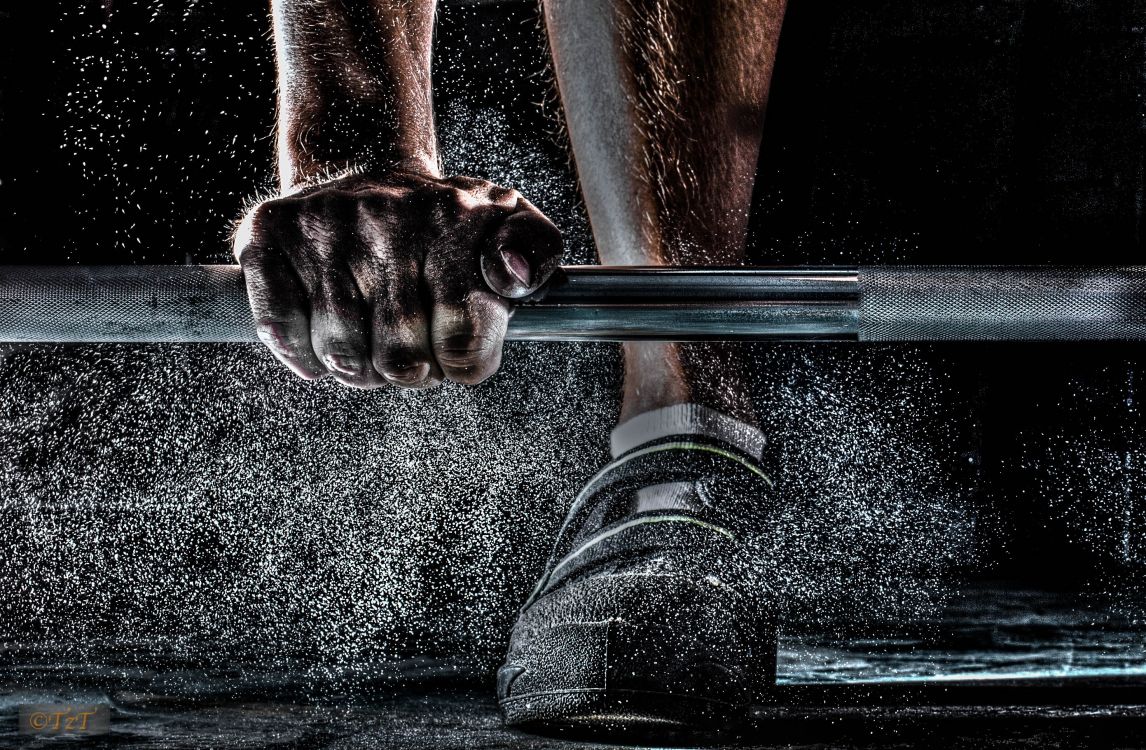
(522, 253)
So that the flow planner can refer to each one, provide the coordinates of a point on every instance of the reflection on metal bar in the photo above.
(90, 304)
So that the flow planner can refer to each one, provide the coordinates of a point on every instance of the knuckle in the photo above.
(373, 224)
(440, 204)
(466, 182)
(333, 204)
(269, 215)
(262, 228)
(369, 209)
(317, 229)
(505, 196)
(448, 201)
(263, 216)
(251, 235)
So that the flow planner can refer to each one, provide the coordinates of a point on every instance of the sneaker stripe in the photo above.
(590, 489)
(602, 536)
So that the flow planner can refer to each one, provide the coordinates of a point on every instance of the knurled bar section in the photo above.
(124, 303)
(985, 303)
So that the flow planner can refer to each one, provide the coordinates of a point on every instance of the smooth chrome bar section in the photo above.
(687, 321)
(594, 303)
(662, 285)
(142, 304)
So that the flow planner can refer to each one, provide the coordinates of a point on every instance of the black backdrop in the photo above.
(951, 130)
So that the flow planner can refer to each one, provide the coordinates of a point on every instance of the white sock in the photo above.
(681, 419)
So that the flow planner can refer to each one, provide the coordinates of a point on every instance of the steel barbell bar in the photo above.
(93, 304)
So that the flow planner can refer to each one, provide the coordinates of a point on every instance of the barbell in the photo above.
(92, 304)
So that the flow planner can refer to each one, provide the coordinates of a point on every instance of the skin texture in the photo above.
(373, 267)
(664, 104)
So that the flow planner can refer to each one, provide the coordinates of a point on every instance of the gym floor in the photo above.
(467, 719)
(835, 691)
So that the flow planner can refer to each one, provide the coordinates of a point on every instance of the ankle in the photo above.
(660, 375)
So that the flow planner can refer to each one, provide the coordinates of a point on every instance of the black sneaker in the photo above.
(648, 620)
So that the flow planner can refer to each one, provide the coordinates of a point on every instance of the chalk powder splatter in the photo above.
(199, 502)
(197, 505)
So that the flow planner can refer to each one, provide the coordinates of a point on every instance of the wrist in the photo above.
(296, 178)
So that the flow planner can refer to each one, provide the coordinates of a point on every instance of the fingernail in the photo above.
(518, 266)
(411, 374)
(343, 363)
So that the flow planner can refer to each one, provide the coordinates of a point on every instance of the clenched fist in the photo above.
(401, 278)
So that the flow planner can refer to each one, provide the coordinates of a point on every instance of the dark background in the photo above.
(932, 132)
(191, 521)
(898, 131)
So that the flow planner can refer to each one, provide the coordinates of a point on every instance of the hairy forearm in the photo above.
(354, 87)
(664, 102)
